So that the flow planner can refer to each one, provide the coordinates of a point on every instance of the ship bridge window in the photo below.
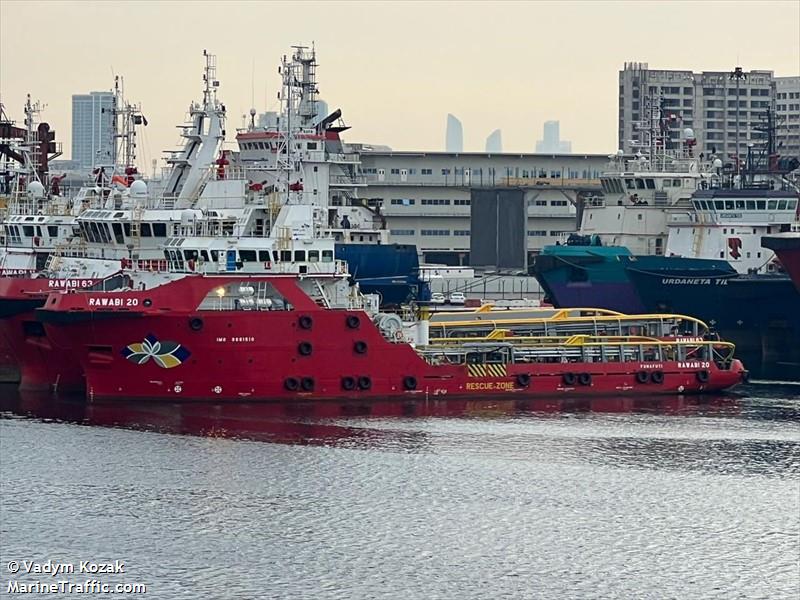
(204, 255)
(781, 204)
(247, 255)
(244, 295)
(676, 183)
(750, 204)
(651, 185)
(740, 205)
(772, 204)
(719, 205)
(286, 255)
(146, 231)
(629, 184)
(263, 256)
(313, 256)
(791, 204)
(639, 184)
(215, 255)
(327, 256)
(728, 204)
(52, 230)
(667, 183)
(117, 227)
(761, 204)
(27, 230)
(275, 256)
(159, 230)
(94, 232)
(175, 259)
(127, 228)
(312, 145)
(300, 256)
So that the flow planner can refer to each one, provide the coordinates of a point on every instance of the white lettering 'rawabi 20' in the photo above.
(113, 302)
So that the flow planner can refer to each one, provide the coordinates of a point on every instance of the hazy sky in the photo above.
(395, 69)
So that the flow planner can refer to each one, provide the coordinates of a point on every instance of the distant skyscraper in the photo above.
(93, 129)
(552, 142)
(454, 138)
(494, 143)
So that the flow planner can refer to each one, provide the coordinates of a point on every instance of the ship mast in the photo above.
(127, 117)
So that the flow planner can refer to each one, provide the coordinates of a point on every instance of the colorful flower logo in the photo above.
(165, 354)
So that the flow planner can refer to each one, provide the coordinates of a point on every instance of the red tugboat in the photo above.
(787, 247)
(299, 336)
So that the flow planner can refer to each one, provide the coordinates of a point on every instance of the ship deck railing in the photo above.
(658, 325)
(561, 350)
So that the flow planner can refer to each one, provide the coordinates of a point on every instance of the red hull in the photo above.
(787, 248)
(9, 371)
(272, 355)
(40, 366)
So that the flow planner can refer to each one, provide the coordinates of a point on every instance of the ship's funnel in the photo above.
(329, 119)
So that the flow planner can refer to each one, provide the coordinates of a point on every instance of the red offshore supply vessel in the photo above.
(277, 337)
(28, 346)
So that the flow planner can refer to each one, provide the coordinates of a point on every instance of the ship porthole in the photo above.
(307, 383)
(291, 384)
(568, 378)
(702, 376)
(305, 348)
(585, 378)
(360, 347)
(364, 383)
(353, 322)
(642, 376)
(657, 377)
(410, 383)
(523, 380)
(305, 322)
(195, 324)
(348, 383)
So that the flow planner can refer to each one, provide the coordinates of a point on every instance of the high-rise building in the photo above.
(722, 108)
(787, 112)
(93, 129)
(454, 136)
(551, 142)
(494, 143)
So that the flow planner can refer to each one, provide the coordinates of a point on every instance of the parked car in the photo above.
(437, 298)
(457, 298)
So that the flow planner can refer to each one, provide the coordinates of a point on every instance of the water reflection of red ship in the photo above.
(328, 422)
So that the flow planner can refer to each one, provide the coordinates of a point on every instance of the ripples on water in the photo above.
(653, 498)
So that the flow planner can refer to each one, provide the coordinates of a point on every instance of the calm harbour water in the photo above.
(654, 498)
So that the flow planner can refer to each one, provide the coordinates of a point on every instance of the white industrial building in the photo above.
(425, 196)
